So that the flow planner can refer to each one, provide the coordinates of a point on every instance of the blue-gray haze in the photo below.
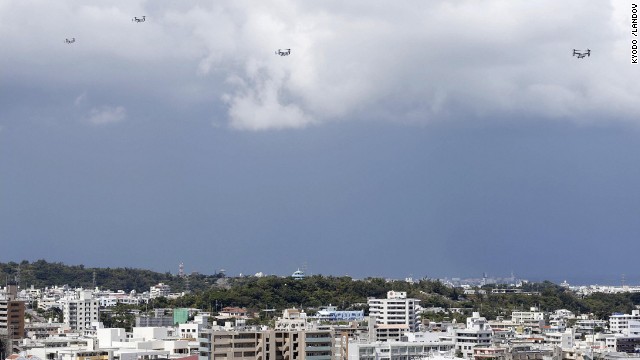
(426, 139)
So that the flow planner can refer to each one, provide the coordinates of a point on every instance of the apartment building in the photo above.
(524, 317)
(291, 339)
(589, 326)
(81, 311)
(410, 346)
(624, 344)
(67, 347)
(618, 323)
(396, 309)
(266, 345)
(160, 290)
(476, 334)
(11, 315)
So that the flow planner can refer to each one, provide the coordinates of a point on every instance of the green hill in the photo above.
(42, 274)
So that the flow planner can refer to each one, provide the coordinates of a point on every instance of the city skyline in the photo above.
(426, 139)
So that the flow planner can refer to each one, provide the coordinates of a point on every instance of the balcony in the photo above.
(318, 340)
(318, 357)
(317, 348)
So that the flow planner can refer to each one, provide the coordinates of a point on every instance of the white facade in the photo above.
(565, 340)
(396, 294)
(189, 331)
(144, 343)
(588, 326)
(108, 336)
(423, 345)
(80, 312)
(522, 317)
(396, 309)
(292, 319)
(618, 323)
(477, 333)
(160, 290)
(118, 297)
(151, 333)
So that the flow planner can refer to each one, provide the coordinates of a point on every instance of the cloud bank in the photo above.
(411, 62)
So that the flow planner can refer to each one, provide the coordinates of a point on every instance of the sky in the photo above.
(415, 138)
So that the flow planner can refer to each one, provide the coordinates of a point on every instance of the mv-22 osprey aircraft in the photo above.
(70, 41)
(139, 20)
(283, 52)
(581, 53)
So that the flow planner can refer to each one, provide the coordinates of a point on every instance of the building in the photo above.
(525, 317)
(476, 334)
(620, 322)
(229, 312)
(332, 314)
(41, 330)
(590, 326)
(267, 345)
(627, 344)
(564, 340)
(180, 315)
(396, 309)
(67, 347)
(410, 346)
(80, 312)
(160, 290)
(119, 297)
(11, 315)
(154, 321)
(298, 275)
(489, 353)
(292, 339)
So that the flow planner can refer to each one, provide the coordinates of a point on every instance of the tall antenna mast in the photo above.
(17, 278)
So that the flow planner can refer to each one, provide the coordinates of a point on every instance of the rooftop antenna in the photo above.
(94, 279)
(17, 277)
(187, 285)
(623, 280)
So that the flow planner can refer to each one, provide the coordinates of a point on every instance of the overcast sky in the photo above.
(424, 138)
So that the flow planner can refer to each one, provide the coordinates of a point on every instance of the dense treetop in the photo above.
(212, 292)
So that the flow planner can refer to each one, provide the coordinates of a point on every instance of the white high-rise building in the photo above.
(396, 309)
(80, 312)
(477, 333)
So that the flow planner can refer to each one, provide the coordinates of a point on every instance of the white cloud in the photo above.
(80, 99)
(430, 60)
(261, 109)
(106, 115)
(415, 61)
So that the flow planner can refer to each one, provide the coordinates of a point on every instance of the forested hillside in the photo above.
(212, 292)
(42, 274)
